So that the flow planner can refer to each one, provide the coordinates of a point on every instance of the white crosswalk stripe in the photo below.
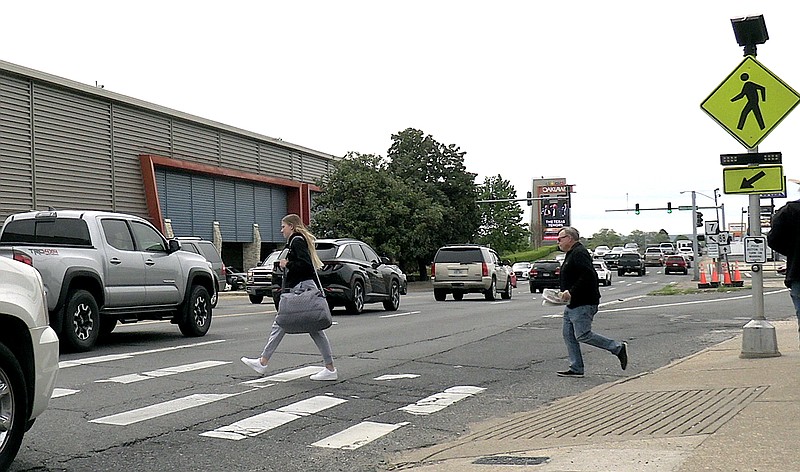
(131, 378)
(255, 425)
(164, 408)
(442, 400)
(358, 435)
(286, 376)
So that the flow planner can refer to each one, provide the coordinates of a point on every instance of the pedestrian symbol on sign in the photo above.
(750, 91)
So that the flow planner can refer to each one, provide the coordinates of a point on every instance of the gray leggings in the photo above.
(319, 337)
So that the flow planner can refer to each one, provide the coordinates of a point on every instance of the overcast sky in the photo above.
(604, 94)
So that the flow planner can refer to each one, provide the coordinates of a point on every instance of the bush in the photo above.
(531, 255)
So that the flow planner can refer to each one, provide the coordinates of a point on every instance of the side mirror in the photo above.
(173, 245)
(385, 260)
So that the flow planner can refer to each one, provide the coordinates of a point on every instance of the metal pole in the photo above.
(695, 246)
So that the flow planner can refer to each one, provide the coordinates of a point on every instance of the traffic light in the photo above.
(669, 207)
(530, 195)
(637, 209)
(699, 219)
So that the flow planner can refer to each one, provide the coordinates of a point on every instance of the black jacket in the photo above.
(579, 277)
(784, 237)
(298, 265)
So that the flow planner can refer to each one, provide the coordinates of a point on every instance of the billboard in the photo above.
(551, 209)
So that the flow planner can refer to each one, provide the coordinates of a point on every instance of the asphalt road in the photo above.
(149, 399)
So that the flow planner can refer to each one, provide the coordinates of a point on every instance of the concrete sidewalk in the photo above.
(711, 411)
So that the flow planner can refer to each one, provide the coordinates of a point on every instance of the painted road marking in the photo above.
(401, 314)
(358, 435)
(255, 425)
(442, 400)
(131, 378)
(396, 376)
(164, 408)
(63, 392)
(286, 376)
(115, 357)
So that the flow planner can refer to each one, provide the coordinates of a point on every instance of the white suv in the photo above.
(28, 354)
(465, 268)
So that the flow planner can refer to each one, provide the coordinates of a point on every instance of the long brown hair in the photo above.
(296, 223)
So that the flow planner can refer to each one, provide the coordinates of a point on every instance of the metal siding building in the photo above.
(68, 145)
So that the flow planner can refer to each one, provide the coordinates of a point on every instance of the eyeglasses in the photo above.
(562, 237)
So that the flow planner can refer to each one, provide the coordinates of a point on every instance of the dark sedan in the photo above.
(544, 274)
(353, 275)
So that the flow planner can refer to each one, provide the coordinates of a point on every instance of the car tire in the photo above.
(491, 292)
(393, 303)
(13, 406)
(195, 317)
(81, 321)
(458, 296)
(620, 273)
(439, 295)
(506, 295)
(356, 303)
(257, 299)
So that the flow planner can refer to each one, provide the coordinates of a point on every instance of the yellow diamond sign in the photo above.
(750, 102)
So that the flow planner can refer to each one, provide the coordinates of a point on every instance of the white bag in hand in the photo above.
(551, 296)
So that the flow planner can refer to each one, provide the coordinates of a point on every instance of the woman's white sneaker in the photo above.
(325, 374)
(255, 364)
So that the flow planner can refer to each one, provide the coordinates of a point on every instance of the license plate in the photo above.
(459, 271)
(545, 275)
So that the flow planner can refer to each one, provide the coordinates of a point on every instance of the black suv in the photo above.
(352, 274)
(544, 274)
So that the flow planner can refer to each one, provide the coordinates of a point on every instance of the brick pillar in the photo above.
(216, 236)
(251, 252)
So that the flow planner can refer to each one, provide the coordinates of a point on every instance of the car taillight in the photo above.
(433, 270)
(331, 267)
(558, 271)
(22, 257)
(485, 269)
(533, 273)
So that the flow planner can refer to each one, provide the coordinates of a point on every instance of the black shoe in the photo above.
(569, 373)
(623, 356)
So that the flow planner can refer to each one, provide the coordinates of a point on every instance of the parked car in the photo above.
(235, 278)
(521, 270)
(28, 354)
(544, 274)
(258, 281)
(470, 268)
(603, 274)
(676, 263)
(207, 249)
(352, 275)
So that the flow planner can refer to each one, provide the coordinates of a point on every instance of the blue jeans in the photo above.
(794, 292)
(578, 329)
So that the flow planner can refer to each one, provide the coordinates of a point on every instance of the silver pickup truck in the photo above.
(100, 268)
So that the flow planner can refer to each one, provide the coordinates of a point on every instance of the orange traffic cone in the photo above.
(737, 277)
(714, 276)
(726, 278)
(703, 282)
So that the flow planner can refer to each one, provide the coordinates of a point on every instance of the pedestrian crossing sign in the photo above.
(750, 102)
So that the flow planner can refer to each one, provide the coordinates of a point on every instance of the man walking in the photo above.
(783, 238)
(579, 286)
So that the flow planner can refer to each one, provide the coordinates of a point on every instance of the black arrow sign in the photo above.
(748, 183)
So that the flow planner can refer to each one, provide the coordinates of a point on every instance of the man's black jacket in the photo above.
(579, 277)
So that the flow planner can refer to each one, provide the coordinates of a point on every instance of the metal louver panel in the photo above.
(314, 168)
(178, 203)
(161, 187)
(225, 208)
(16, 162)
(238, 153)
(279, 210)
(262, 196)
(195, 143)
(203, 206)
(275, 161)
(136, 132)
(72, 150)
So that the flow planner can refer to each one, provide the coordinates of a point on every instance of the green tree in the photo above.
(501, 226)
(361, 199)
(605, 237)
(437, 172)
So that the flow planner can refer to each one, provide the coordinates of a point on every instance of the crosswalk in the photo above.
(351, 437)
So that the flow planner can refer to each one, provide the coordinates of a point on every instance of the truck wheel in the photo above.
(81, 321)
(491, 293)
(439, 294)
(393, 303)
(458, 296)
(508, 291)
(13, 406)
(195, 316)
(256, 299)
(356, 305)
